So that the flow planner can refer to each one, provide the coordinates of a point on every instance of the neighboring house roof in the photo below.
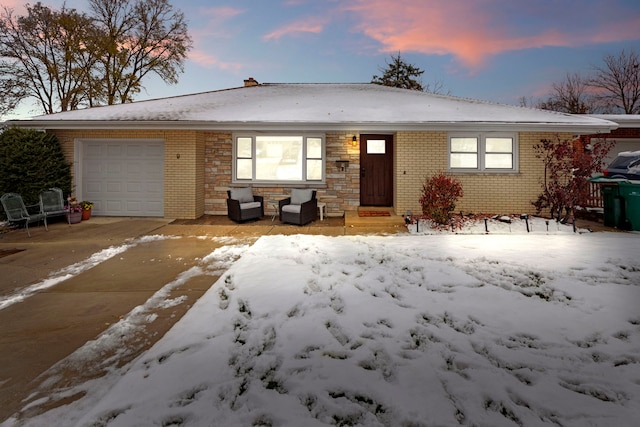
(308, 107)
(623, 120)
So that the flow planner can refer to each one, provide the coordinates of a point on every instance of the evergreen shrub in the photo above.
(31, 162)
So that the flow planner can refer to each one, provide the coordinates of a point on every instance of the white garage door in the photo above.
(123, 177)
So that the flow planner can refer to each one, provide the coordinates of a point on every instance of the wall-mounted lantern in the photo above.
(354, 141)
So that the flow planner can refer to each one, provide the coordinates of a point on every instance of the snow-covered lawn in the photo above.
(408, 330)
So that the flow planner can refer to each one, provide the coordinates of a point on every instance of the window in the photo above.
(464, 153)
(376, 146)
(275, 158)
(483, 152)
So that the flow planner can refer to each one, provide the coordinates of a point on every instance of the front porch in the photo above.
(349, 224)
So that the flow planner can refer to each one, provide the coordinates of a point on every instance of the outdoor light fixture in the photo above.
(342, 165)
(354, 141)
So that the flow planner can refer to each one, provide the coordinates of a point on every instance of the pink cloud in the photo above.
(215, 20)
(464, 30)
(309, 25)
(471, 31)
(206, 60)
(18, 6)
(12, 4)
(627, 29)
(222, 13)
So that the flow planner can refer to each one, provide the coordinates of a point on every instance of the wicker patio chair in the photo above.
(243, 205)
(17, 212)
(301, 208)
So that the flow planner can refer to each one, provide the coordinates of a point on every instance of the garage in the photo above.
(122, 177)
(620, 146)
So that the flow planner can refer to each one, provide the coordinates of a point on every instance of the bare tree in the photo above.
(618, 82)
(437, 88)
(571, 96)
(44, 55)
(65, 59)
(136, 38)
(525, 102)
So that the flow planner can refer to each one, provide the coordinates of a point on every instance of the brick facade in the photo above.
(197, 172)
(624, 133)
(620, 134)
(183, 164)
(341, 192)
(420, 155)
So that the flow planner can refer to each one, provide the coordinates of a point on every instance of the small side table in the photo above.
(322, 207)
(276, 206)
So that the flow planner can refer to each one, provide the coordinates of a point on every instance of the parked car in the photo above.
(625, 165)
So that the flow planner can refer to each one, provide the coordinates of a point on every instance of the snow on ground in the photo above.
(505, 328)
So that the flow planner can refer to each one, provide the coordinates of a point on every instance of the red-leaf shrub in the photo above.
(567, 170)
(439, 196)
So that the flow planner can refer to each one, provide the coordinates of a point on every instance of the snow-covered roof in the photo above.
(363, 107)
(623, 120)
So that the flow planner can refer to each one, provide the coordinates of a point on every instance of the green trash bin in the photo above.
(613, 204)
(631, 194)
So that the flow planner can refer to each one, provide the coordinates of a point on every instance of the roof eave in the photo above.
(598, 126)
(623, 120)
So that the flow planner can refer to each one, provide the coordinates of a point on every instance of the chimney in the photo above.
(250, 82)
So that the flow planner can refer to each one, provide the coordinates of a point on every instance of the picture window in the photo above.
(279, 158)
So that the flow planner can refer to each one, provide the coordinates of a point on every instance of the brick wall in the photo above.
(198, 165)
(217, 171)
(622, 133)
(419, 155)
(341, 192)
(183, 165)
(619, 134)
(198, 170)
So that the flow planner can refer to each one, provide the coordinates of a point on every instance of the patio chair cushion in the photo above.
(291, 208)
(243, 195)
(250, 205)
(300, 196)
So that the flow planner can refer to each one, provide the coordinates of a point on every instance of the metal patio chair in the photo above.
(17, 212)
(52, 203)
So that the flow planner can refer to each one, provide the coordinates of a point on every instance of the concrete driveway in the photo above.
(67, 294)
(88, 297)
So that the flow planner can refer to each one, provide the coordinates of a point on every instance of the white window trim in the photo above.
(482, 137)
(253, 136)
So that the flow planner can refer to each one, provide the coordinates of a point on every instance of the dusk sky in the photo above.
(495, 50)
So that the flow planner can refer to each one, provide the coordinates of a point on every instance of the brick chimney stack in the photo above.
(250, 82)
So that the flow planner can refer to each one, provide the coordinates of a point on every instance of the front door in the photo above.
(376, 170)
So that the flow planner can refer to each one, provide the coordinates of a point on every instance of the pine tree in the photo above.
(400, 74)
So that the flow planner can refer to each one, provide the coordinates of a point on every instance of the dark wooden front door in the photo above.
(376, 170)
